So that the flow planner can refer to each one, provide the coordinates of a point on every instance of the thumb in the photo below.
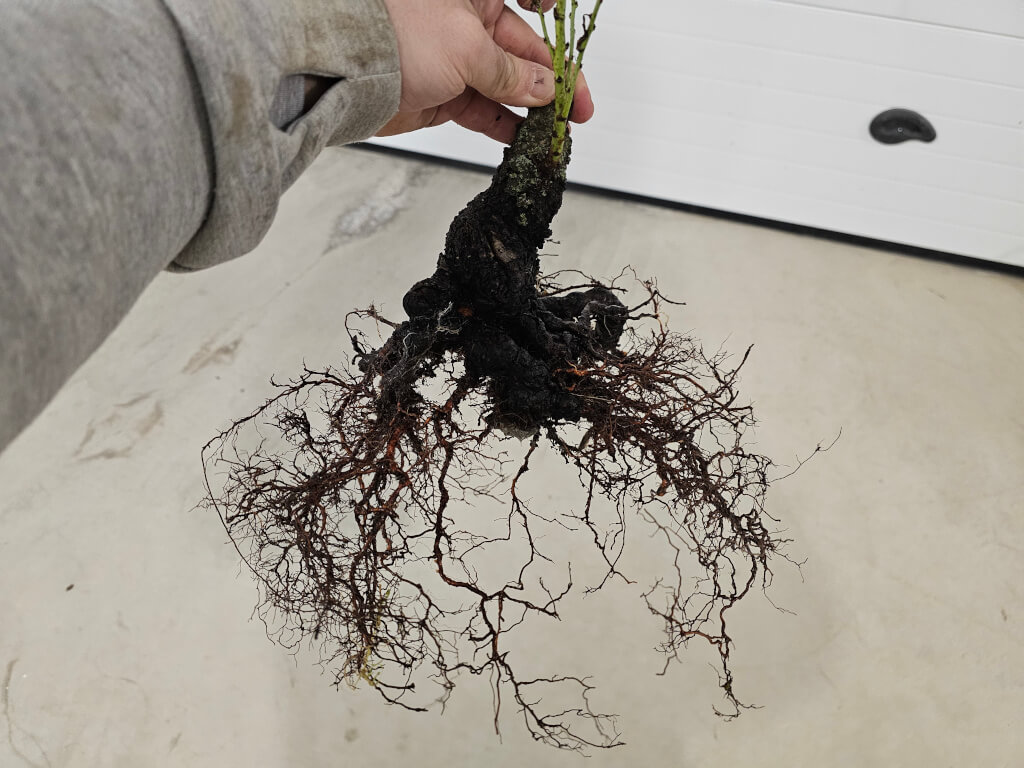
(507, 79)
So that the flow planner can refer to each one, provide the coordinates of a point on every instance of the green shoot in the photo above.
(567, 60)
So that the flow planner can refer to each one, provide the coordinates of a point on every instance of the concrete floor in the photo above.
(125, 631)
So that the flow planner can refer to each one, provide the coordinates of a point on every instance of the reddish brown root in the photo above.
(352, 515)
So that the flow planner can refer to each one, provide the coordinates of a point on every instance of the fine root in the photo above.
(350, 496)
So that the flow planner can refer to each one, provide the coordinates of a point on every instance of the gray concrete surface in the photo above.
(125, 631)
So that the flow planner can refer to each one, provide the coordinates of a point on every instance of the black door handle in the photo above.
(895, 126)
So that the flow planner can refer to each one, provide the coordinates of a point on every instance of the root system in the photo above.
(346, 494)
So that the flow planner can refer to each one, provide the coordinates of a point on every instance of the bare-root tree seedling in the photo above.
(346, 494)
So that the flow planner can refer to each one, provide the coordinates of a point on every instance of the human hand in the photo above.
(464, 60)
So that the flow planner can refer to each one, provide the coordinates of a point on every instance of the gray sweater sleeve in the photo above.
(137, 135)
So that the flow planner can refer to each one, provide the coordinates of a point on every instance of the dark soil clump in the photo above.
(484, 300)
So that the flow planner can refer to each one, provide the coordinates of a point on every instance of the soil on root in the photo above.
(483, 300)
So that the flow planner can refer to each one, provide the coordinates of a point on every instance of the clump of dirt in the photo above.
(484, 300)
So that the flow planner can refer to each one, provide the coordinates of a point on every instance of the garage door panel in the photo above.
(1002, 17)
(820, 33)
(778, 134)
(786, 71)
(771, 165)
(815, 211)
(762, 107)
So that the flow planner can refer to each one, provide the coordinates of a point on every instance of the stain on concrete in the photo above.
(116, 424)
(122, 430)
(7, 712)
(381, 207)
(90, 433)
(150, 422)
(107, 455)
(174, 742)
(351, 735)
(5, 690)
(208, 354)
(134, 401)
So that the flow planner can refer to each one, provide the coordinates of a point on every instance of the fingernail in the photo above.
(543, 85)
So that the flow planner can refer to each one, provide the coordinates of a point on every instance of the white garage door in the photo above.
(762, 107)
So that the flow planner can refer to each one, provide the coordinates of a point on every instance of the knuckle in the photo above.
(508, 75)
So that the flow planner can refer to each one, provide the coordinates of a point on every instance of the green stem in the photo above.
(588, 30)
(559, 62)
(567, 60)
(572, 28)
(544, 28)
